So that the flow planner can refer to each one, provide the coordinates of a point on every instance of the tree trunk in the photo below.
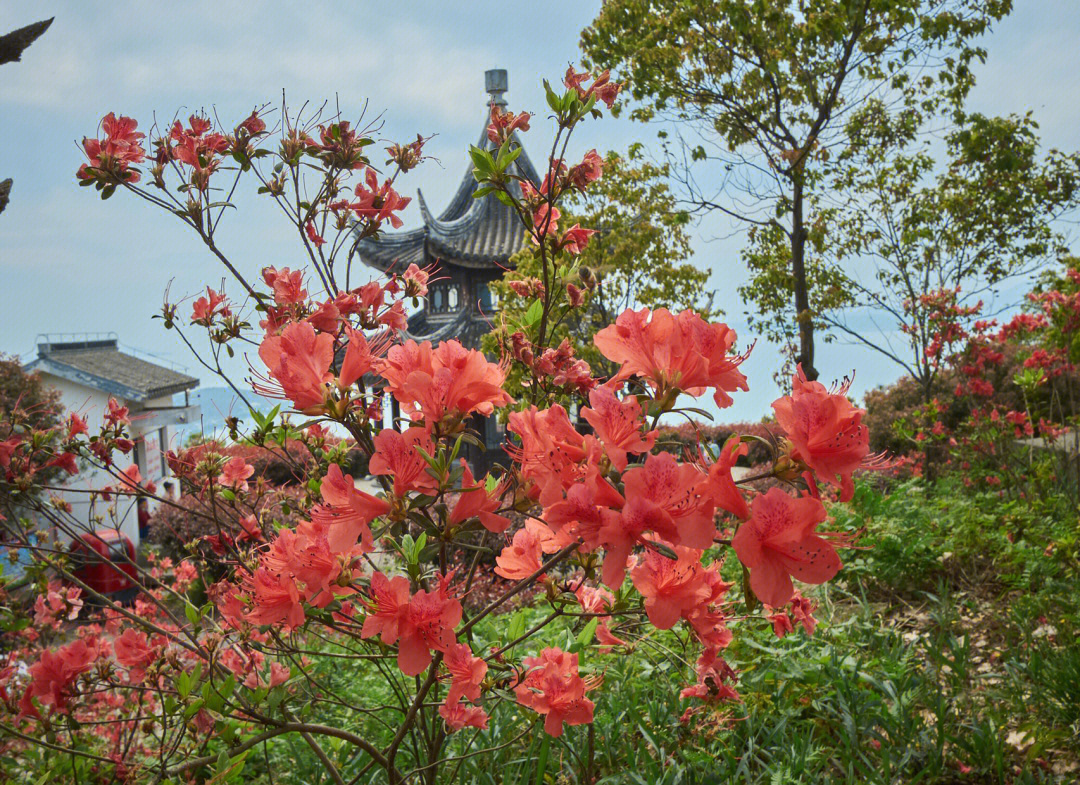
(928, 456)
(801, 285)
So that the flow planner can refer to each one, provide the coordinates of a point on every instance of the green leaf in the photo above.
(663, 549)
(585, 637)
(482, 159)
(532, 316)
(516, 627)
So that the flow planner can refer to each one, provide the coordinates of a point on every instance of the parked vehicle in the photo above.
(105, 561)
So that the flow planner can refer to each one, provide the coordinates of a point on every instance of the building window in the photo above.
(489, 300)
(437, 299)
(452, 299)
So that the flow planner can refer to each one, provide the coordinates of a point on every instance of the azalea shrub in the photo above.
(618, 540)
(1004, 408)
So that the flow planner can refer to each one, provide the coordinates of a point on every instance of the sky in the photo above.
(72, 263)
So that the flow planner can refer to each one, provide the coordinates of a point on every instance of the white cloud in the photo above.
(394, 64)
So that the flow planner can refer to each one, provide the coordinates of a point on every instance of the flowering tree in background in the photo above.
(224, 652)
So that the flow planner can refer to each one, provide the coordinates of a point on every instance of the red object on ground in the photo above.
(106, 561)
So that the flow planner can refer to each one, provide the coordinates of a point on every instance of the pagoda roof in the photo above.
(473, 233)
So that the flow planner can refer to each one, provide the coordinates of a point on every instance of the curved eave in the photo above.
(393, 251)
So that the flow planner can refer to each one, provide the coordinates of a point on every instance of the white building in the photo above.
(90, 369)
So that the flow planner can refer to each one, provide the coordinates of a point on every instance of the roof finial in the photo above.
(495, 82)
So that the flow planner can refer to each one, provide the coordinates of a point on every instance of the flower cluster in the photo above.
(577, 506)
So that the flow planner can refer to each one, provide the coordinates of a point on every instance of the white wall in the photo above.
(91, 404)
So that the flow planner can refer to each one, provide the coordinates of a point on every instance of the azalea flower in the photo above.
(347, 512)
(598, 600)
(674, 353)
(418, 624)
(780, 542)
(466, 671)
(135, 652)
(825, 430)
(111, 157)
(474, 501)
(718, 482)
(617, 424)
(52, 676)
(671, 587)
(445, 383)
(378, 203)
(299, 361)
(523, 556)
(551, 686)
(575, 239)
(397, 456)
(206, 308)
(236, 472)
(288, 285)
(458, 715)
(503, 124)
(275, 599)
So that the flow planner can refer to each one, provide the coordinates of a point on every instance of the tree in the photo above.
(27, 407)
(635, 259)
(766, 87)
(921, 242)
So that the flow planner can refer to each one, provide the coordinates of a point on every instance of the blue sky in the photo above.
(71, 263)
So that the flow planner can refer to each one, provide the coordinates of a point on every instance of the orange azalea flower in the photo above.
(476, 502)
(598, 600)
(671, 587)
(617, 424)
(780, 542)
(445, 383)
(466, 671)
(524, 555)
(299, 361)
(552, 687)
(459, 715)
(418, 624)
(396, 456)
(274, 599)
(551, 451)
(718, 483)
(675, 488)
(825, 430)
(347, 512)
(672, 353)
